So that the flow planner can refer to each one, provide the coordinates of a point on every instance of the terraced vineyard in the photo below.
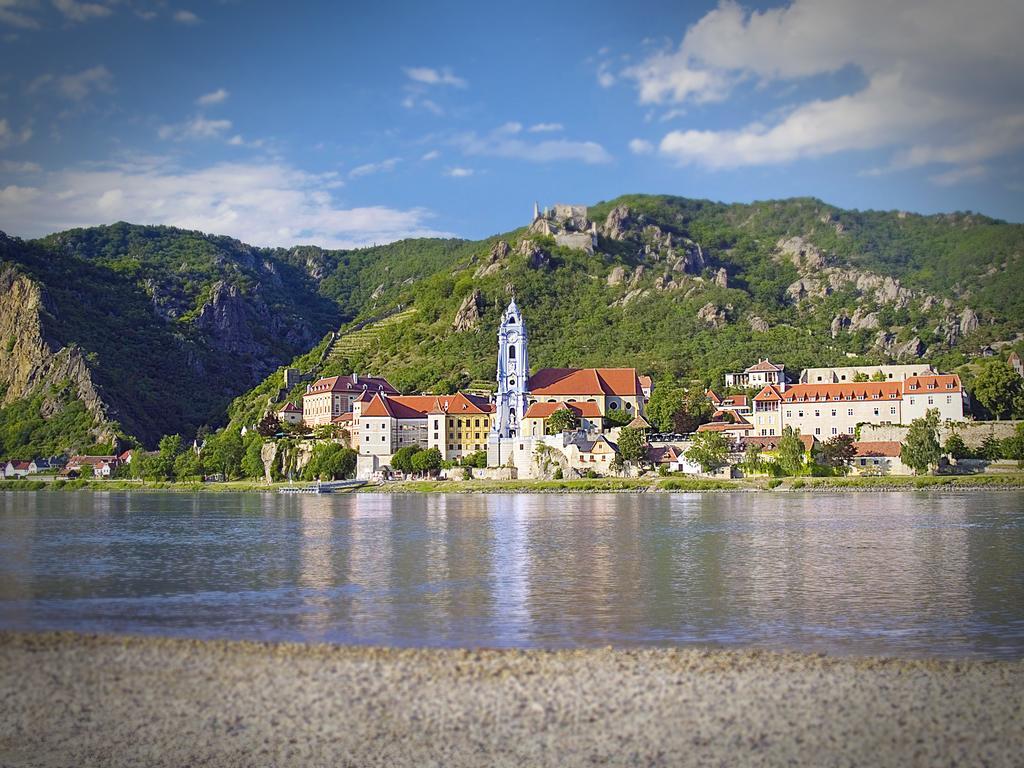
(364, 336)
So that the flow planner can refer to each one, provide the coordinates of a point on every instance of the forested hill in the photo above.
(131, 331)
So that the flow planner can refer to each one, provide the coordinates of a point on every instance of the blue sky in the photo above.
(343, 124)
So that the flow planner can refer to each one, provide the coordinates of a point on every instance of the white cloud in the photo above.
(186, 17)
(504, 142)
(605, 78)
(14, 13)
(959, 175)
(431, 155)
(15, 195)
(14, 166)
(546, 128)
(640, 147)
(213, 97)
(383, 166)
(936, 75)
(10, 137)
(78, 11)
(261, 203)
(77, 86)
(413, 101)
(431, 76)
(459, 173)
(198, 127)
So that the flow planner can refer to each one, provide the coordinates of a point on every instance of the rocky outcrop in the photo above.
(803, 254)
(536, 257)
(864, 321)
(619, 224)
(968, 321)
(839, 324)
(617, 276)
(31, 363)
(722, 278)
(468, 315)
(712, 315)
(495, 260)
(759, 325)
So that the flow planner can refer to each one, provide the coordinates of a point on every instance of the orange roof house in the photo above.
(622, 382)
(544, 410)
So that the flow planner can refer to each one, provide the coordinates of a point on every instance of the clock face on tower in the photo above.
(513, 337)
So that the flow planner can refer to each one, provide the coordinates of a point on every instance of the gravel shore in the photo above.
(77, 700)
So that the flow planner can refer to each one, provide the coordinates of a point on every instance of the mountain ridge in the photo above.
(675, 285)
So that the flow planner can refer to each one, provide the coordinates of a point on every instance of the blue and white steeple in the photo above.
(513, 374)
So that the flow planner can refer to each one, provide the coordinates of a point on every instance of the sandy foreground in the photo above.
(77, 700)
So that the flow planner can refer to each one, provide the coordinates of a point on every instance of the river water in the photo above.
(900, 574)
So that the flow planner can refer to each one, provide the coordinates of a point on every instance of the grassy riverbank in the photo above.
(652, 484)
(119, 701)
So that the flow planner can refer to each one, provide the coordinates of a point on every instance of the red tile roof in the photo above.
(20, 464)
(344, 418)
(622, 382)
(352, 383)
(289, 408)
(544, 410)
(764, 366)
(866, 390)
(735, 400)
(418, 406)
(646, 382)
(932, 383)
(767, 395)
(711, 395)
(662, 454)
(724, 426)
(878, 448)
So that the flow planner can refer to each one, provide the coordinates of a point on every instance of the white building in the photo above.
(842, 374)
(763, 373)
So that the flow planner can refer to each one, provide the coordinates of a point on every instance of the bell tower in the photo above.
(513, 373)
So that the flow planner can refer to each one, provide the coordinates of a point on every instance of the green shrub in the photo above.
(774, 483)
(798, 484)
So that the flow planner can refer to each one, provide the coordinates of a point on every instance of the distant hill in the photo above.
(131, 331)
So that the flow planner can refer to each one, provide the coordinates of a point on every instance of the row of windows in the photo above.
(835, 431)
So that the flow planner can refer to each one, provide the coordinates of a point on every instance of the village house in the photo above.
(330, 397)
(730, 424)
(16, 469)
(290, 413)
(610, 389)
(878, 458)
(102, 466)
(736, 403)
(763, 373)
(1016, 363)
(596, 454)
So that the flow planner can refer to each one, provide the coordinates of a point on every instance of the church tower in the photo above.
(513, 374)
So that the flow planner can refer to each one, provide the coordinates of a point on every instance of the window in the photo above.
(849, 430)
(614, 406)
(931, 400)
(876, 411)
(367, 438)
(817, 430)
(849, 411)
(511, 353)
(817, 412)
(892, 411)
(383, 438)
(835, 431)
(629, 406)
(949, 398)
(800, 414)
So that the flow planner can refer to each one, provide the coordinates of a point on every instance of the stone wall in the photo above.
(973, 433)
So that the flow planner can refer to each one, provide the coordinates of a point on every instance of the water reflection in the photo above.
(899, 573)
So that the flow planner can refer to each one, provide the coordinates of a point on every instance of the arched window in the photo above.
(512, 381)
(511, 353)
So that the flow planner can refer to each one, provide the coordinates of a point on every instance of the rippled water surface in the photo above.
(903, 573)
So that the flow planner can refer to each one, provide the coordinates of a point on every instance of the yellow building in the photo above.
(611, 389)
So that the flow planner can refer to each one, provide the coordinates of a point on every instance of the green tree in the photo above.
(991, 448)
(921, 448)
(997, 387)
(476, 459)
(1015, 446)
(632, 445)
(695, 410)
(878, 376)
(252, 458)
(187, 466)
(752, 460)
(955, 447)
(666, 399)
(791, 452)
(330, 461)
(170, 447)
(838, 451)
(562, 420)
(402, 460)
(709, 449)
(225, 451)
(860, 376)
(427, 461)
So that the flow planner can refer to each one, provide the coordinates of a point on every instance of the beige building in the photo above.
(289, 413)
(328, 398)
(588, 416)
(610, 389)
(878, 458)
(826, 410)
(597, 455)
(851, 372)
(456, 425)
